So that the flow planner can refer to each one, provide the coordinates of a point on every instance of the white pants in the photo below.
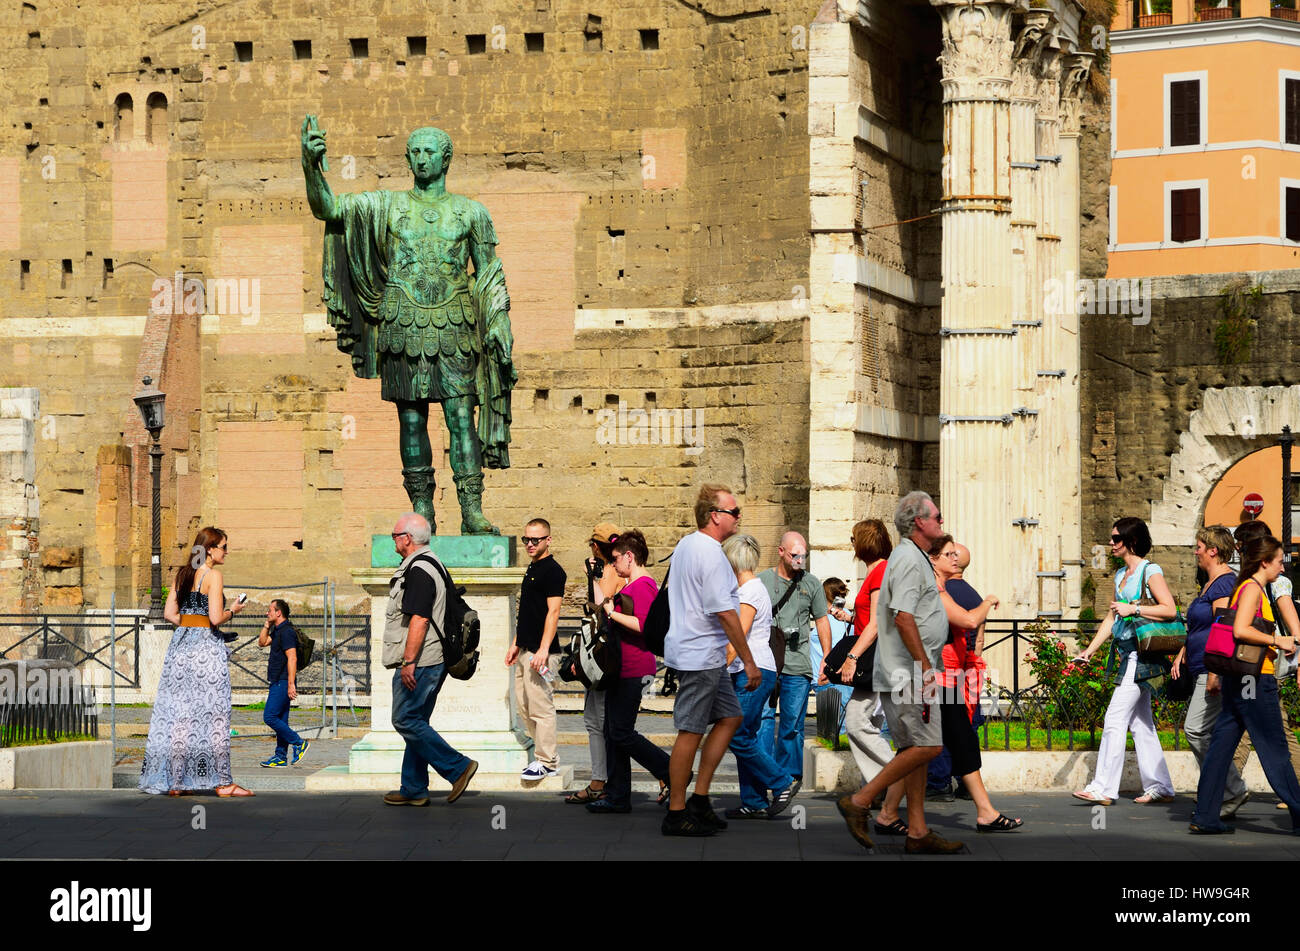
(1130, 710)
(862, 720)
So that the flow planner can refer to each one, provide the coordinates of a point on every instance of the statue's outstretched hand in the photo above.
(313, 143)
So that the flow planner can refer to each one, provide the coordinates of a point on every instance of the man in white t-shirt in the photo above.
(703, 617)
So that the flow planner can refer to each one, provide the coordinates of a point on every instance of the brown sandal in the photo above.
(234, 791)
(586, 794)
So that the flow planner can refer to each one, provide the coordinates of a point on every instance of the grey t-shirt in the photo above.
(808, 603)
(908, 586)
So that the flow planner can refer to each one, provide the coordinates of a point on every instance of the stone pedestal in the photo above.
(476, 716)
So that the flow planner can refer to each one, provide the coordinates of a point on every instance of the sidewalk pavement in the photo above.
(124, 824)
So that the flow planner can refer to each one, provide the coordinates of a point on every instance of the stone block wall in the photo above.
(1164, 417)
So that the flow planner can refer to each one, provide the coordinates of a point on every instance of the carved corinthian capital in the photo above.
(977, 47)
(1073, 89)
(1032, 41)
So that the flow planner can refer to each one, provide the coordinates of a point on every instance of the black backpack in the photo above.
(460, 642)
(656, 620)
(305, 647)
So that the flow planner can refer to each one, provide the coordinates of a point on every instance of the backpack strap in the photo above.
(434, 569)
(784, 598)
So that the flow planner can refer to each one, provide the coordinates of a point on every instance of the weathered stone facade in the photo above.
(1164, 417)
(702, 208)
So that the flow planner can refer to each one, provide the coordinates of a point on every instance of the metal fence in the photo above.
(350, 651)
(44, 701)
(1020, 713)
(83, 640)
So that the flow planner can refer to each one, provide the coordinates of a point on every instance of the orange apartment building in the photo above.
(1205, 137)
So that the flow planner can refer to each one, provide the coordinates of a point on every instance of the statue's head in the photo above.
(428, 153)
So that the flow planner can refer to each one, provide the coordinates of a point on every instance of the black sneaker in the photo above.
(782, 799)
(683, 823)
(699, 809)
(961, 792)
(744, 812)
(939, 795)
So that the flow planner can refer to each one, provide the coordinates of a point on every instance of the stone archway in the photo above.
(1228, 426)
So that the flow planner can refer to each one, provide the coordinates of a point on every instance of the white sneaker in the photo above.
(536, 770)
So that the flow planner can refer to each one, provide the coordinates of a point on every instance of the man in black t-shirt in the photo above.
(539, 617)
(281, 677)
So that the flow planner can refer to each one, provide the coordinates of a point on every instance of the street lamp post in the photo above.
(150, 401)
(1286, 441)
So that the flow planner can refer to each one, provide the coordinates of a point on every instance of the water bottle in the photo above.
(234, 732)
(547, 675)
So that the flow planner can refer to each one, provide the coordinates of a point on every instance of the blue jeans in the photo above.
(1262, 717)
(424, 747)
(786, 741)
(276, 716)
(758, 771)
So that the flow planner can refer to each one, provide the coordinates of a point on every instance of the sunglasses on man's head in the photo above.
(533, 541)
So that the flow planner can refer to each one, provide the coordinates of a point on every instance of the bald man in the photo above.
(798, 602)
(938, 781)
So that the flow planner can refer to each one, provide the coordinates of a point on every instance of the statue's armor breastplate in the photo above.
(427, 306)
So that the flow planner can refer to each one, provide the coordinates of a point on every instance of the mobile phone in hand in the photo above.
(242, 598)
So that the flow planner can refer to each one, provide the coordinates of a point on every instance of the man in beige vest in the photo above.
(413, 651)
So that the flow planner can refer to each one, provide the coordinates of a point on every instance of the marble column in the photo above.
(1077, 68)
(979, 350)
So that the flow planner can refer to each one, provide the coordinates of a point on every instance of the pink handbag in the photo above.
(1224, 654)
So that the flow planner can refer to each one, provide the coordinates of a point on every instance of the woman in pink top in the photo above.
(628, 610)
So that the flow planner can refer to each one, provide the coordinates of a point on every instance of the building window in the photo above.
(535, 42)
(1185, 214)
(302, 49)
(1291, 110)
(1185, 112)
(1291, 214)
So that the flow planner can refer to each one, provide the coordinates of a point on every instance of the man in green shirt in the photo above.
(803, 605)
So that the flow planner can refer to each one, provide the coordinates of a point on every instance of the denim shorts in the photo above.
(703, 698)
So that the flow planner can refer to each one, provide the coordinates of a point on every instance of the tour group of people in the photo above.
(748, 647)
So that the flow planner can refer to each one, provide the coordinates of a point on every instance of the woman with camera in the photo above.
(1250, 701)
(603, 582)
(628, 609)
(1130, 704)
(189, 732)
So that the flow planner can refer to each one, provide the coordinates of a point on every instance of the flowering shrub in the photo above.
(1068, 692)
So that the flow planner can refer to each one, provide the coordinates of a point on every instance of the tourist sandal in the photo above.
(233, 791)
(663, 795)
(1092, 797)
(1000, 824)
(586, 794)
(1152, 796)
(180, 792)
(897, 827)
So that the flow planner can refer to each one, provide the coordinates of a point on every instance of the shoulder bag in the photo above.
(1224, 654)
(776, 638)
(1158, 637)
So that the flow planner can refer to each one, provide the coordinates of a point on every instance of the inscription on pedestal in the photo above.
(454, 551)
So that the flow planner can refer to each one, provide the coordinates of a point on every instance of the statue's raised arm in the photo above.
(314, 167)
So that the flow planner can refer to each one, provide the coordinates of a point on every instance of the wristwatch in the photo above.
(853, 656)
(407, 663)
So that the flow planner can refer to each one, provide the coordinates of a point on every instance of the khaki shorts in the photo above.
(907, 726)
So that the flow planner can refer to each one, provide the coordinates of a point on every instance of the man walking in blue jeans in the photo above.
(417, 595)
(798, 601)
(281, 674)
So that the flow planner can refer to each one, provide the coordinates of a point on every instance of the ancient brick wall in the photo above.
(1142, 385)
(641, 163)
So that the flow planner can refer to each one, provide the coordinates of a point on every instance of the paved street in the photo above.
(299, 825)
